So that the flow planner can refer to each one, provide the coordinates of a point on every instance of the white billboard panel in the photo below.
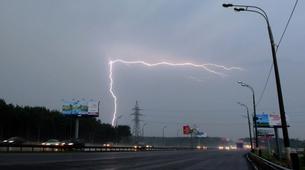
(81, 108)
(275, 120)
(93, 107)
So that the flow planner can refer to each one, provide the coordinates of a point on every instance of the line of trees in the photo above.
(39, 124)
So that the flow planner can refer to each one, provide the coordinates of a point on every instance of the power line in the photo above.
(291, 14)
(265, 86)
(277, 47)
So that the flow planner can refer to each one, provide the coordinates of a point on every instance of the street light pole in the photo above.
(254, 110)
(163, 134)
(143, 128)
(260, 11)
(249, 123)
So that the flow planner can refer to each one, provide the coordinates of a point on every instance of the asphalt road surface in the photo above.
(208, 159)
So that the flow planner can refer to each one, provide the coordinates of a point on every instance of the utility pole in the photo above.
(136, 119)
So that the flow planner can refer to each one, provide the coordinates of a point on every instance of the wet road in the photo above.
(209, 159)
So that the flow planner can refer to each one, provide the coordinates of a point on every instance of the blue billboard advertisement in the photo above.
(81, 108)
(262, 120)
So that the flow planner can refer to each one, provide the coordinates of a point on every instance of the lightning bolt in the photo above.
(201, 66)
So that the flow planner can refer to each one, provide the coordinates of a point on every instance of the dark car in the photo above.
(13, 141)
(73, 143)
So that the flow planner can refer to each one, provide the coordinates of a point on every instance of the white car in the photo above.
(51, 142)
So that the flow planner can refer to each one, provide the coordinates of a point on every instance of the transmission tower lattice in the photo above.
(136, 119)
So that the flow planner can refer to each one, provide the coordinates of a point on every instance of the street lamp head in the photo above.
(239, 9)
(241, 104)
(227, 5)
(242, 83)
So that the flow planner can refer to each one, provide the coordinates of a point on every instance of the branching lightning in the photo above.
(206, 67)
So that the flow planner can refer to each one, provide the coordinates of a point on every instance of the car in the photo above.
(201, 147)
(148, 147)
(13, 141)
(107, 145)
(76, 143)
(139, 147)
(51, 142)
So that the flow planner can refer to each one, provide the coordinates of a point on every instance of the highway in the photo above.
(207, 159)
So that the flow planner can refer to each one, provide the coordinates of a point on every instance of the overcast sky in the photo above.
(54, 50)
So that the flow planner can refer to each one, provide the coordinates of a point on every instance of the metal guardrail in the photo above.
(58, 148)
(261, 163)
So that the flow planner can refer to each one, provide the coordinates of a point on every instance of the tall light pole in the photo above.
(249, 123)
(163, 134)
(254, 110)
(261, 12)
(143, 128)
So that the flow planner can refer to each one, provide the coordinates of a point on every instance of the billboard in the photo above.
(81, 108)
(268, 120)
(186, 129)
(264, 132)
(262, 120)
(200, 134)
(275, 120)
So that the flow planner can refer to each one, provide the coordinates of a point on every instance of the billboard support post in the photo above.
(277, 145)
(76, 127)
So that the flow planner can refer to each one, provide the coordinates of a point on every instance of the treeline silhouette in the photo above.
(39, 124)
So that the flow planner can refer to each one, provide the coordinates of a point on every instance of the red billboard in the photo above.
(186, 129)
